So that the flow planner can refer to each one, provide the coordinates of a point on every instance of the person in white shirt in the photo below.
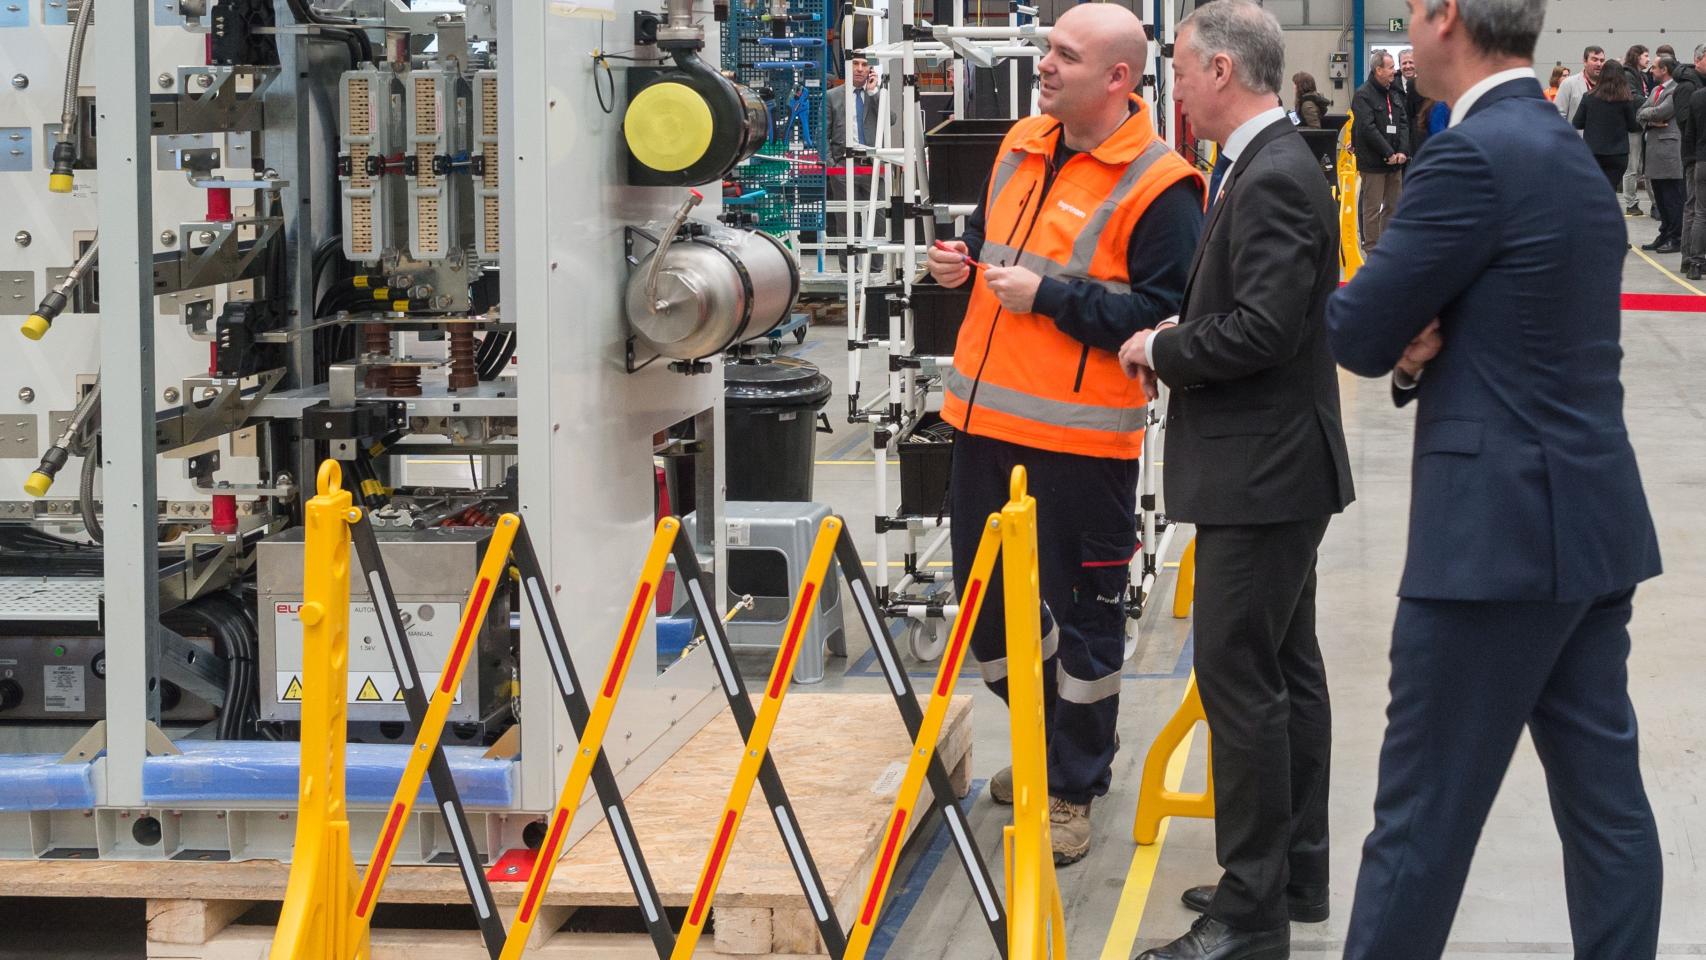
(1576, 86)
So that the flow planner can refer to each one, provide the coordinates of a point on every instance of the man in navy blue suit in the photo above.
(1528, 525)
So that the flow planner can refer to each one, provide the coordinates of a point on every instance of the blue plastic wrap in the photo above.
(38, 781)
(250, 771)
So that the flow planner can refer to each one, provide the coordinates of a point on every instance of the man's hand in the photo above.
(1134, 360)
(949, 266)
(1401, 158)
(1421, 350)
(871, 82)
(1015, 287)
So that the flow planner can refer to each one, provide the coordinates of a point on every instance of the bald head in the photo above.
(1106, 34)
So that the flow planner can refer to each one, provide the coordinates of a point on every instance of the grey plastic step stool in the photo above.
(769, 544)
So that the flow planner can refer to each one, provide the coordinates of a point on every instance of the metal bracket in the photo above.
(93, 743)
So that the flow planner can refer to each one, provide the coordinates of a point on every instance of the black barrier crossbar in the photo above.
(906, 700)
(818, 898)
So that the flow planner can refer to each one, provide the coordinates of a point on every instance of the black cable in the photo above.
(347, 31)
(600, 60)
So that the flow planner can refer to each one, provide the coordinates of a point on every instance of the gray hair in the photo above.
(1380, 59)
(1249, 35)
(1500, 27)
(1700, 51)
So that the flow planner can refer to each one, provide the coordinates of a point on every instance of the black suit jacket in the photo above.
(1253, 428)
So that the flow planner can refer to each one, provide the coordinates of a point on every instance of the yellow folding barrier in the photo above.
(1185, 587)
(924, 745)
(758, 742)
(432, 728)
(1154, 801)
(315, 919)
(592, 739)
(1350, 190)
(1036, 923)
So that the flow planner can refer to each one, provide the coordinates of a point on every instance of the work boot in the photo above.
(1633, 210)
(1001, 787)
(1069, 828)
(1692, 269)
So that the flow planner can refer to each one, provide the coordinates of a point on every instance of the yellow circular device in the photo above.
(38, 484)
(60, 182)
(35, 327)
(668, 126)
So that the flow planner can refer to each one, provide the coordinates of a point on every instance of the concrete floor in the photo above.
(1514, 906)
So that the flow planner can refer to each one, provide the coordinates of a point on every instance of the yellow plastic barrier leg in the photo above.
(486, 583)
(1185, 587)
(924, 748)
(1036, 927)
(1154, 801)
(592, 739)
(315, 916)
(1350, 193)
(758, 743)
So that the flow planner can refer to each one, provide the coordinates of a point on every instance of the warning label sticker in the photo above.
(62, 688)
(431, 628)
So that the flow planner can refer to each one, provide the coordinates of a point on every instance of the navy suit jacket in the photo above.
(1524, 485)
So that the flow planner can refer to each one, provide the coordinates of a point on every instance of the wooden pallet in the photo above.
(841, 757)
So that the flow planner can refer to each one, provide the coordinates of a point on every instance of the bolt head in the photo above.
(26, 395)
(20, 82)
(168, 238)
(22, 238)
(203, 80)
(205, 237)
(171, 394)
(165, 80)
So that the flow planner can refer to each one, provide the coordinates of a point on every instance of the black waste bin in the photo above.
(771, 406)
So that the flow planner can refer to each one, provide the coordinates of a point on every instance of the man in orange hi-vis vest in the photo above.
(1083, 238)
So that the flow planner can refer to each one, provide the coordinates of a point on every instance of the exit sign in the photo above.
(1395, 25)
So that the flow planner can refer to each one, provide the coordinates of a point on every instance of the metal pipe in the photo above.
(693, 198)
(60, 179)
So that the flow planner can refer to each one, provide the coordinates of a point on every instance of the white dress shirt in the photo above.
(1232, 149)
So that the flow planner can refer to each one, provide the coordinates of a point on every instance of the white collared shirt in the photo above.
(1460, 109)
(1236, 144)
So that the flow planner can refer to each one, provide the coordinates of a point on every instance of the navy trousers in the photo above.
(1086, 537)
(1466, 678)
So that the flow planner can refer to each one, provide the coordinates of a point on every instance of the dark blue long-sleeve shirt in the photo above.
(1158, 262)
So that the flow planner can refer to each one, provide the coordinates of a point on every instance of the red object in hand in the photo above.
(969, 261)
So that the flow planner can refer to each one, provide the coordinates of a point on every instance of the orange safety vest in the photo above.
(1017, 377)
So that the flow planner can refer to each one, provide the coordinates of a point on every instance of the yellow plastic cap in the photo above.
(35, 327)
(668, 126)
(60, 182)
(38, 484)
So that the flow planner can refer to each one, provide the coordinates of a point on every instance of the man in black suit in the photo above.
(863, 82)
(1256, 459)
(1529, 527)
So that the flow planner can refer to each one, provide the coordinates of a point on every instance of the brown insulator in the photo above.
(405, 382)
(376, 339)
(463, 375)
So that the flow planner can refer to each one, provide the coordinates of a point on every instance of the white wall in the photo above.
(1313, 30)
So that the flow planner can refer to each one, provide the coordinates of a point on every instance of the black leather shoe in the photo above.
(1655, 245)
(1692, 270)
(1209, 939)
(1303, 904)
(1669, 247)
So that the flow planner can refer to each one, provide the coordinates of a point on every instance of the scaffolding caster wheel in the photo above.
(926, 639)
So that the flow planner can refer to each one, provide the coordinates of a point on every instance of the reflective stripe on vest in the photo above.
(1079, 416)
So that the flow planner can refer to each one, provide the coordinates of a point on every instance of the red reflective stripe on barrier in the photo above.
(1671, 302)
(890, 847)
(952, 667)
(786, 663)
(393, 824)
(636, 616)
(476, 613)
(717, 853)
(547, 854)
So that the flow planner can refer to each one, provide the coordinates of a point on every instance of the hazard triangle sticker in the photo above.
(292, 692)
(369, 693)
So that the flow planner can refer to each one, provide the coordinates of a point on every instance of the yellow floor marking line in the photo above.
(1134, 899)
(1691, 288)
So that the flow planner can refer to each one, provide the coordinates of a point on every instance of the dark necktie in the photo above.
(859, 105)
(1222, 163)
